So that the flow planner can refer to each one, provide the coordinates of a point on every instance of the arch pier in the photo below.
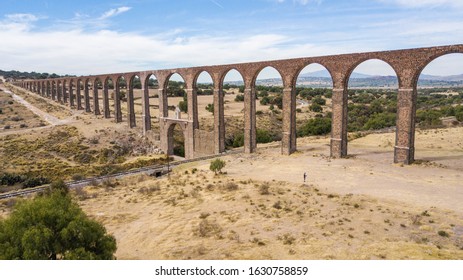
(407, 64)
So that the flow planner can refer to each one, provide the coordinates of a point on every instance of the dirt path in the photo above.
(52, 120)
(44, 115)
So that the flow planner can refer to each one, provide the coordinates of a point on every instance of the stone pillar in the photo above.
(87, 98)
(48, 90)
(96, 104)
(288, 141)
(65, 96)
(163, 105)
(404, 150)
(219, 121)
(107, 113)
(117, 102)
(339, 123)
(39, 88)
(130, 106)
(53, 91)
(71, 95)
(59, 91)
(78, 96)
(250, 143)
(146, 115)
(192, 99)
(188, 133)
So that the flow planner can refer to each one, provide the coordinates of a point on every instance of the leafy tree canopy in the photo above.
(53, 227)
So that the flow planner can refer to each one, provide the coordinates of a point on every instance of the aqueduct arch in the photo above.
(407, 64)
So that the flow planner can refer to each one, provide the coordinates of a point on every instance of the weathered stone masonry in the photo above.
(407, 64)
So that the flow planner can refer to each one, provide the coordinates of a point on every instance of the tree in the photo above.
(217, 165)
(315, 107)
(239, 98)
(53, 227)
(316, 126)
(183, 105)
(210, 108)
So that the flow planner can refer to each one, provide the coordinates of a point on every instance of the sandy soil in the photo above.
(362, 207)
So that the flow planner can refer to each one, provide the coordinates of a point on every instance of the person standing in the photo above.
(305, 176)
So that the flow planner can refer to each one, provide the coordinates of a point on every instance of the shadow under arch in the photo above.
(176, 139)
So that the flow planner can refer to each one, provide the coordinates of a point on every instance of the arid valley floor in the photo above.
(361, 207)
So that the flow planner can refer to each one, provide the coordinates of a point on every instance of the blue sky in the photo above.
(90, 37)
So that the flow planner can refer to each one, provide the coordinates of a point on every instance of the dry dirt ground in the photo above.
(362, 207)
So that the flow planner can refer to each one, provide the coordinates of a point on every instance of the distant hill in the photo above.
(326, 74)
(452, 78)
(322, 78)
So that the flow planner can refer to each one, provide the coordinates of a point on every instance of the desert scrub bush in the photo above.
(217, 165)
(287, 239)
(16, 119)
(84, 158)
(77, 177)
(81, 194)
(443, 233)
(264, 188)
(35, 181)
(150, 190)
(9, 179)
(207, 228)
(229, 186)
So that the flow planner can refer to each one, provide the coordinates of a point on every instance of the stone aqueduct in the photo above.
(407, 65)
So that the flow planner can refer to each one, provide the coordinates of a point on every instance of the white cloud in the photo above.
(424, 3)
(74, 49)
(18, 22)
(114, 12)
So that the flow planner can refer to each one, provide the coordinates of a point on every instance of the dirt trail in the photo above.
(52, 120)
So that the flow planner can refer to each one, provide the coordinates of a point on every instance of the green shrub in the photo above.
(53, 227)
(263, 136)
(210, 108)
(317, 126)
(9, 179)
(217, 165)
(179, 150)
(319, 100)
(238, 140)
(35, 181)
(239, 98)
(315, 107)
(381, 120)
